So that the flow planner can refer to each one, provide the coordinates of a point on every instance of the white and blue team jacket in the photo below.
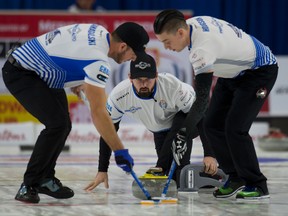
(68, 56)
(221, 47)
(156, 113)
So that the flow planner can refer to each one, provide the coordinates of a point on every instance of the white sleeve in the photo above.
(97, 73)
(115, 112)
(185, 97)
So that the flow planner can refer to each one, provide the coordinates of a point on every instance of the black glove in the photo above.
(179, 145)
(124, 160)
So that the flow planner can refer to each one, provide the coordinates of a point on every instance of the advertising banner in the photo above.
(16, 28)
(85, 134)
(12, 111)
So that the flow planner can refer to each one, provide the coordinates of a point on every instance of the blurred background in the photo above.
(265, 19)
(21, 20)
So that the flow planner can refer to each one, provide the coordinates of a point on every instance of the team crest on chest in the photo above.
(163, 104)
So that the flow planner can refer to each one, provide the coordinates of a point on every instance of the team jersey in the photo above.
(68, 56)
(170, 95)
(219, 46)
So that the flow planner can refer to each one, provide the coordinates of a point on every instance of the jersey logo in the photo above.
(236, 30)
(104, 70)
(74, 31)
(91, 34)
(102, 78)
(203, 24)
(133, 109)
(122, 96)
(182, 95)
(189, 99)
(51, 35)
(217, 24)
(108, 107)
(163, 104)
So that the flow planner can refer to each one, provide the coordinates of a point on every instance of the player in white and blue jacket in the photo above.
(36, 74)
(246, 71)
(160, 102)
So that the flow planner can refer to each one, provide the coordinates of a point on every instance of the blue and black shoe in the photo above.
(54, 188)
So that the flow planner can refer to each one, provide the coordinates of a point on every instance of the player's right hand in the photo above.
(101, 177)
(124, 160)
(210, 165)
(76, 90)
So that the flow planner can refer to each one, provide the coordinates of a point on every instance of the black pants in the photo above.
(233, 108)
(163, 145)
(50, 107)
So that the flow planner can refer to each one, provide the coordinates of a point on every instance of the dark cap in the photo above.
(143, 66)
(133, 35)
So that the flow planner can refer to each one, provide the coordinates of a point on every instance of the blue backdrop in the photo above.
(265, 19)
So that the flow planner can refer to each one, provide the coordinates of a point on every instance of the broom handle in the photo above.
(144, 190)
(170, 175)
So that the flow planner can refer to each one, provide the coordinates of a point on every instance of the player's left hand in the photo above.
(101, 177)
(211, 166)
(179, 146)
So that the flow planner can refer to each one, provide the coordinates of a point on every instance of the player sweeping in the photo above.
(246, 71)
(37, 73)
(160, 102)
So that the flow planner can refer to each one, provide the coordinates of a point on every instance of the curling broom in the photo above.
(157, 200)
